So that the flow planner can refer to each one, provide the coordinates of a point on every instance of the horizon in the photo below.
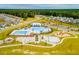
(39, 6)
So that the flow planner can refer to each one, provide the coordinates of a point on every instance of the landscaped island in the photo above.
(38, 33)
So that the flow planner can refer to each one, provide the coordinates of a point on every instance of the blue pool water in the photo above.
(38, 29)
(29, 30)
(20, 32)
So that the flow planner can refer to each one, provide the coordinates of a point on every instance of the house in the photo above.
(65, 19)
(36, 24)
(10, 19)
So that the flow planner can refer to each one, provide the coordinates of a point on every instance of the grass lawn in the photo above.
(22, 49)
(14, 42)
(40, 44)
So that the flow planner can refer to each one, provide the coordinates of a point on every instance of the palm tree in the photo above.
(36, 38)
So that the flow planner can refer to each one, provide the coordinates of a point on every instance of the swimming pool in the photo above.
(20, 32)
(39, 29)
(30, 30)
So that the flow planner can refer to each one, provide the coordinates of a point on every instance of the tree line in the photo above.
(24, 13)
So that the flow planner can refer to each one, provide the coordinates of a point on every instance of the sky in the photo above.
(39, 6)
